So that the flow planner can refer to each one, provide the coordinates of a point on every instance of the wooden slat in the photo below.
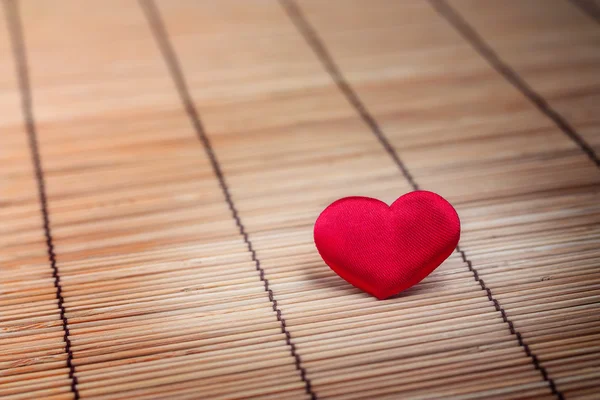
(32, 351)
(158, 284)
(527, 195)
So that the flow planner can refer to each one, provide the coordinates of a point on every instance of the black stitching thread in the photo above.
(485, 51)
(318, 47)
(15, 29)
(315, 43)
(588, 7)
(160, 33)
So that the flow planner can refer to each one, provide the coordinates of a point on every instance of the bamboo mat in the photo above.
(163, 164)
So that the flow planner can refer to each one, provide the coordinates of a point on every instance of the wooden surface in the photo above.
(162, 165)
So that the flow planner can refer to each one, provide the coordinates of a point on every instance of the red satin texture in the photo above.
(383, 249)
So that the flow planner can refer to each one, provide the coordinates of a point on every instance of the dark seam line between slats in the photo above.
(162, 38)
(589, 8)
(312, 38)
(15, 29)
(485, 51)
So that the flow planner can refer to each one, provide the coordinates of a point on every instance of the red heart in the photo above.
(383, 249)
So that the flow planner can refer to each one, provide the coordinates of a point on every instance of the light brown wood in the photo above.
(164, 296)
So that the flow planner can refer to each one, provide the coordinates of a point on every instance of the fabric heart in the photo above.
(383, 249)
